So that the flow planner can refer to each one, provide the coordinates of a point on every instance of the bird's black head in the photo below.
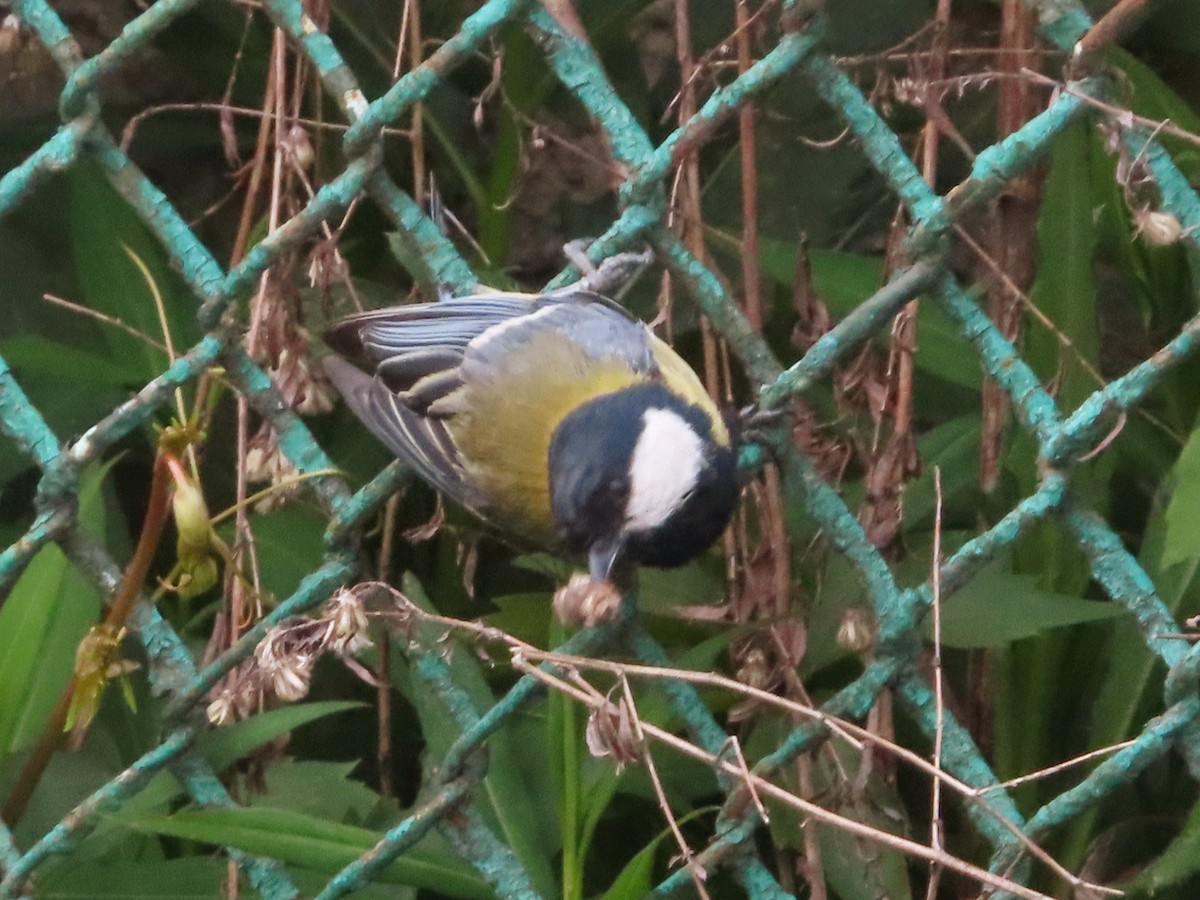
(638, 474)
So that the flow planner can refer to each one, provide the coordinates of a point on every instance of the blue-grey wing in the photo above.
(417, 351)
(411, 362)
(594, 327)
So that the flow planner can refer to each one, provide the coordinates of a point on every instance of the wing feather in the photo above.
(453, 381)
(421, 442)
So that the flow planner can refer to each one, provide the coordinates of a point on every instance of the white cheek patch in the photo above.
(666, 465)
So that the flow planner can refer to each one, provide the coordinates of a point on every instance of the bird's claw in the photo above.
(612, 275)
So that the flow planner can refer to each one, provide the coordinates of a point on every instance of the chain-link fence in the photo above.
(1063, 437)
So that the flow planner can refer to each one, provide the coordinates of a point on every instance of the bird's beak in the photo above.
(603, 556)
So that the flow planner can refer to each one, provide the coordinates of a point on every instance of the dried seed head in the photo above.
(348, 623)
(611, 732)
(1159, 229)
(291, 681)
(266, 462)
(279, 343)
(755, 670)
(584, 601)
(297, 148)
(221, 710)
(857, 630)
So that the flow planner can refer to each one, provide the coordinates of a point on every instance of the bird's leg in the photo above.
(613, 276)
(576, 253)
(755, 423)
(758, 436)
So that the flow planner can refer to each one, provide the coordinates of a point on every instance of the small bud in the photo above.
(196, 568)
(191, 518)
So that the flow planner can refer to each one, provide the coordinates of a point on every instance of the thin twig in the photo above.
(1121, 114)
(106, 319)
(1114, 25)
(1055, 769)
(688, 856)
(935, 827)
(852, 733)
(53, 736)
(858, 829)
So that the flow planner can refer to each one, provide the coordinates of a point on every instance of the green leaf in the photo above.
(855, 869)
(1064, 289)
(1129, 672)
(303, 840)
(952, 449)
(842, 280)
(1182, 524)
(34, 353)
(50, 609)
(634, 880)
(104, 231)
(317, 788)
(997, 607)
(224, 746)
(524, 616)
(152, 879)
(699, 582)
(942, 351)
(1180, 860)
(515, 787)
(1155, 99)
(289, 546)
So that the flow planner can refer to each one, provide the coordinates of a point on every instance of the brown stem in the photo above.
(751, 280)
(53, 736)
(1013, 233)
(257, 171)
(383, 670)
(1114, 25)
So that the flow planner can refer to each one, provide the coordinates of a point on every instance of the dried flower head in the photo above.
(1159, 229)
(585, 601)
(265, 462)
(284, 660)
(611, 732)
(297, 148)
(857, 630)
(348, 623)
(283, 346)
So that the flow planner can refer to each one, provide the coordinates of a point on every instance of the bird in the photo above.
(559, 420)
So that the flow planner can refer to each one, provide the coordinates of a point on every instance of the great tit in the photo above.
(560, 419)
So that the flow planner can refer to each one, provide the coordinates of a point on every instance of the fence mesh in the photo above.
(1063, 436)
